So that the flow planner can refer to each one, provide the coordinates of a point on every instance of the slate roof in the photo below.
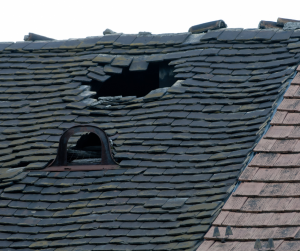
(266, 203)
(181, 150)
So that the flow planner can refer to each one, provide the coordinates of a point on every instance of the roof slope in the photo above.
(266, 203)
(181, 149)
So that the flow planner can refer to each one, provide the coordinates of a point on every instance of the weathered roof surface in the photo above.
(266, 203)
(181, 150)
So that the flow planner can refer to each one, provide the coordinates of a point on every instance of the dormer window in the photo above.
(79, 159)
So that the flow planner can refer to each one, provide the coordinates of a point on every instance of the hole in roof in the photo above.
(136, 83)
(84, 148)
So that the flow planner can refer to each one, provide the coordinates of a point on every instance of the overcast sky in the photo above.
(63, 19)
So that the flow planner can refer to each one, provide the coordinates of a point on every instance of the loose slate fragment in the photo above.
(82, 79)
(122, 61)
(98, 70)
(103, 58)
(111, 69)
(97, 77)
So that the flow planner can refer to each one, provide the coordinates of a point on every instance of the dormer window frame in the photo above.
(60, 164)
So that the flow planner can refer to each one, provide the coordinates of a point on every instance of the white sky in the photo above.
(63, 19)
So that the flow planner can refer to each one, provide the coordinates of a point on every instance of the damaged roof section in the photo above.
(219, 78)
(180, 149)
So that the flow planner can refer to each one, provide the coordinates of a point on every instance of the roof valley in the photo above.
(265, 205)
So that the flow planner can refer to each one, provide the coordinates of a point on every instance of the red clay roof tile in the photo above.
(257, 205)
(232, 219)
(289, 246)
(280, 219)
(296, 148)
(221, 217)
(242, 234)
(205, 246)
(264, 145)
(249, 189)
(285, 232)
(218, 246)
(287, 160)
(263, 233)
(290, 105)
(278, 118)
(287, 174)
(293, 189)
(248, 173)
(273, 189)
(292, 119)
(297, 92)
(253, 205)
(296, 80)
(249, 246)
(293, 205)
(276, 204)
(279, 132)
(245, 246)
(264, 159)
(258, 220)
(234, 203)
(295, 133)
(295, 220)
(283, 145)
(297, 176)
(291, 91)
(265, 174)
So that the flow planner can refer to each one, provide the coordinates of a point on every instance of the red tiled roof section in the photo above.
(266, 204)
